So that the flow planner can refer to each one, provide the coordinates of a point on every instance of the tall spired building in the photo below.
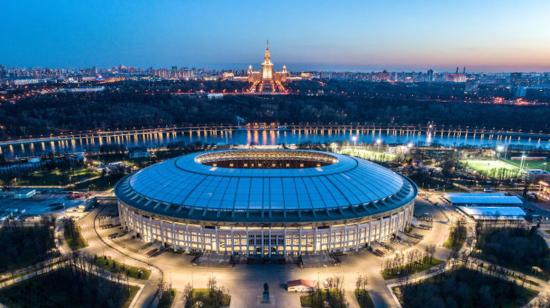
(267, 80)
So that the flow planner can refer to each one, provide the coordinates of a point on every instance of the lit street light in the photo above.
(354, 139)
(521, 164)
(499, 149)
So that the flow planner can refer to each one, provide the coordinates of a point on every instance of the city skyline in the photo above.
(493, 36)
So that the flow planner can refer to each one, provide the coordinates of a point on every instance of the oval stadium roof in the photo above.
(183, 187)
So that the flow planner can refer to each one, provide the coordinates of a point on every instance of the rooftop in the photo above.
(342, 185)
(493, 212)
(483, 199)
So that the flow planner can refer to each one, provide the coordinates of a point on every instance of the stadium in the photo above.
(265, 202)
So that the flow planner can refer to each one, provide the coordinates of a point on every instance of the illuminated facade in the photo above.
(267, 80)
(266, 202)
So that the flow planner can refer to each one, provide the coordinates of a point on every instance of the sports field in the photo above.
(536, 164)
(497, 169)
(369, 154)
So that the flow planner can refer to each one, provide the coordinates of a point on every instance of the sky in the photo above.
(355, 35)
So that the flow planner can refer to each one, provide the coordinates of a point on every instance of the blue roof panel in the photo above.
(185, 182)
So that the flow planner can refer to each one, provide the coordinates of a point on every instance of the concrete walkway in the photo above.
(99, 245)
(244, 282)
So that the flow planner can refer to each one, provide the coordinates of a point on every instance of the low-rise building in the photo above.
(544, 191)
(482, 199)
(24, 193)
(138, 152)
(535, 175)
(495, 216)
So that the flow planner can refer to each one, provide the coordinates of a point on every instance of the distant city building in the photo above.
(212, 96)
(267, 80)
(457, 77)
(471, 86)
(430, 75)
(516, 79)
(83, 90)
(3, 72)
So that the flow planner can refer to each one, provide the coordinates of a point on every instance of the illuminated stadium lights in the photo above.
(332, 203)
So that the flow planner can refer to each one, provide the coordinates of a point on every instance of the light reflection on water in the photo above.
(276, 137)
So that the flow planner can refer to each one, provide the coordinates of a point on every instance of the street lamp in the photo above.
(378, 143)
(354, 139)
(499, 149)
(521, 164)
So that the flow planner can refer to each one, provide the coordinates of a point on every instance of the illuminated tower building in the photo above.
(267, 66)
(267, 80)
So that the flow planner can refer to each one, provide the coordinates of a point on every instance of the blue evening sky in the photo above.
(489, 35)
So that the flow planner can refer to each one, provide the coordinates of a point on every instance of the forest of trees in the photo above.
(458, 235)
(128, 106)
(76, 284)
(21, 246)
(464, 288)
(73, 235)
(515, 248)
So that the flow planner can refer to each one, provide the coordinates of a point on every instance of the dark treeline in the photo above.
(515, 248)
(25, 245)
(464, 288)
(421, 90)
(75, 284)
(125, 108)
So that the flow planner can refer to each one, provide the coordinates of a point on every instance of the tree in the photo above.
(362, 282)
(430, 250)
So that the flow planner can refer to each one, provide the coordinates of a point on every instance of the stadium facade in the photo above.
(265, 202)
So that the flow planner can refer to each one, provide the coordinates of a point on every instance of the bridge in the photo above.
(101, 137)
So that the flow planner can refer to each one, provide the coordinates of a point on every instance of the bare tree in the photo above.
(430, 250)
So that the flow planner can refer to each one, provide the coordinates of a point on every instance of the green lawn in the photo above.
(132, 291)
(114, 266)
(502, 168)
(497, 169)
(100, 184)
(539, 164)
(56, 176)
(369, 154)
(407, 270)
(167, 298)
(320, 297)
(72, 234)
(203, 295)
(457, 237)
(363, 298)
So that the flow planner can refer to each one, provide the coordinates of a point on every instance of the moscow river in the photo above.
(155, 138)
